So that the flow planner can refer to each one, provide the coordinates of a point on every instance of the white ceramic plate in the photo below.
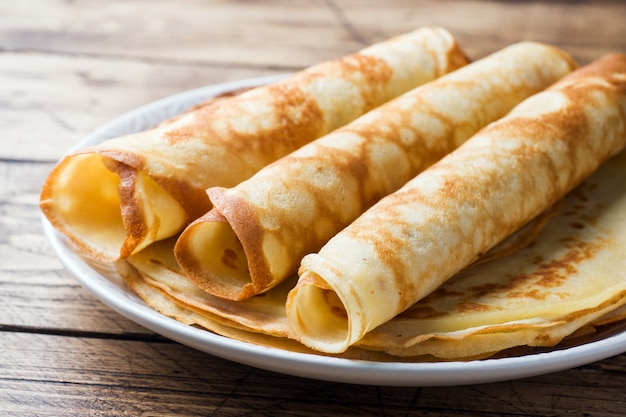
(108, 287)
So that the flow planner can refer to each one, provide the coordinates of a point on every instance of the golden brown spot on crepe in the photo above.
(334, 304)
(157, 261)
(443, 292)
(229, 258)
(298, 115)
(548, 275)
(612, 64)
(455, 58)
(581, 211)
(376, 72)
(474, 307)
(418, 311)
(553, 273)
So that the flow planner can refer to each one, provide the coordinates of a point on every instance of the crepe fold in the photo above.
(415, 239)
(258, 231)
(116, 198)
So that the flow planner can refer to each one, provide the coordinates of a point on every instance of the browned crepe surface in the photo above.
(412, 241)
(258, 231)
(116, 198)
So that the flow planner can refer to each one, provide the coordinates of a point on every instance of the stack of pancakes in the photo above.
(400, 203)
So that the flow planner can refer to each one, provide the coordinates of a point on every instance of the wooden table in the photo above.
(67, 67)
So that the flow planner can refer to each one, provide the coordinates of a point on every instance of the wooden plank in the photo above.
(54, 373)
(49, 102)
(266, 33)
(161, 377)
(291, 35)
(65, 97)
(36, 292)
(586, 29)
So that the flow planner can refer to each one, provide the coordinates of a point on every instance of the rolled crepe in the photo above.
(415, 239)
(571, 277)
(116, 198)
(258, 231)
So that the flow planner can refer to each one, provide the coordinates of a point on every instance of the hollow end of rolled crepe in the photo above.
(318, 316)
(210, 254)
(108, 214)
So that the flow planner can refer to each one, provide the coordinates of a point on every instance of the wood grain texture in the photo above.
(120, 377)
(49, 102)
(67, 67)
(284, 34)
(587, 29)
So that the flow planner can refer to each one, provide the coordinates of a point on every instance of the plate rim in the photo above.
(121, 299)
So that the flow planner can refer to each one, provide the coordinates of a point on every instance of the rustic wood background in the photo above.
(67, 67)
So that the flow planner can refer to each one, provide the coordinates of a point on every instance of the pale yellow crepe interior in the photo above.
(90, 179)
(89, 192)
